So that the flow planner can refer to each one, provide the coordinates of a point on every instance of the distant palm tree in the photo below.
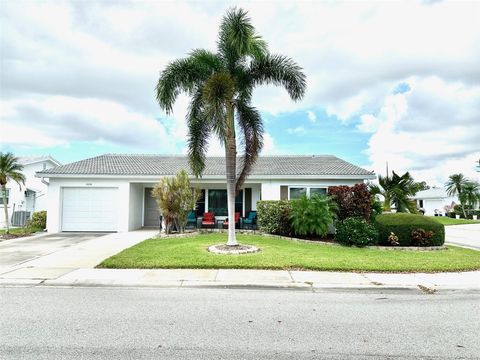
(10, 169)
(455, 186)
(470, 194)
(221, 86)
(396, 190)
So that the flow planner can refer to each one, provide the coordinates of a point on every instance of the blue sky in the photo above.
(379, 89)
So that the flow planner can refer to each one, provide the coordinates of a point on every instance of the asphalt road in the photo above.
(113, 323)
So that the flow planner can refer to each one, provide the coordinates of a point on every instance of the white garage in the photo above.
(89, 209)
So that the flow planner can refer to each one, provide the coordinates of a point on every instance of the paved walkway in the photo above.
(463, 235)
(57, 276)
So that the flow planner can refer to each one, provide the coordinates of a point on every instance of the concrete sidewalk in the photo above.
(467, 235)
(308, 280)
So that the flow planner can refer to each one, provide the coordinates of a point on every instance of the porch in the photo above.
(144, 213)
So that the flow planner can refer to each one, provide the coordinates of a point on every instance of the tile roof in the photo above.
(25, 160)
(131, 164)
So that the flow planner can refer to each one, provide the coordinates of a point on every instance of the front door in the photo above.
(151, 213)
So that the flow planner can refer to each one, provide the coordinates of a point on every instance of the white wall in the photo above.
(17, 194)
(136, 206)
(54, 208)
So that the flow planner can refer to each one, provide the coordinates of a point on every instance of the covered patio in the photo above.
(143, 209)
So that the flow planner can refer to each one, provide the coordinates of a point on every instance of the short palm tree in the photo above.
(396, 190)
(470, 194)
(454, 186)
(10, 169)
(221, 86)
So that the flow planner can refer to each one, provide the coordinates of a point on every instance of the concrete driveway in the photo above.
(51, 256)
(463, 235)
(17, 251)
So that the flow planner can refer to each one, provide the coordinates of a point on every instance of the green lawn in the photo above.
(18, 231)
(449, 221)
(191, 252)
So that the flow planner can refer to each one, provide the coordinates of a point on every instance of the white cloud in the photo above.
(60, 120)
(299, 130)
(431, 130)
(312, 117)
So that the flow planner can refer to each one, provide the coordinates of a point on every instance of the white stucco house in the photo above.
(112, 192)
(434, 200)
(23, 200)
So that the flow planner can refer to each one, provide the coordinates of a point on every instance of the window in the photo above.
(298, 192)
(1, 196)
(200, 208)
(239, 202)
(318, 191)
(217, 202)
(420, 203)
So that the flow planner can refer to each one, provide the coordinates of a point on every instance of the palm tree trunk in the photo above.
(5, 208)
(231, 164)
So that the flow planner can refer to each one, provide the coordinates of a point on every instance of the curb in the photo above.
(183, 284)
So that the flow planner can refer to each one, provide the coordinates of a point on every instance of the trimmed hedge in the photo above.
(356, 232)
(273, 217)
(403, 225)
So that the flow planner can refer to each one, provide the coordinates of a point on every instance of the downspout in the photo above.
(44, 182)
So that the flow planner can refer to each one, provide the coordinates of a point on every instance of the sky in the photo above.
(395, 82)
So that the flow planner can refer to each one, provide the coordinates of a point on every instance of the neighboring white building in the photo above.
(434, 200)
(23, 200)
(113, 192)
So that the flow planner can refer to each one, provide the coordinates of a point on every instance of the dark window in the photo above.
(420, 203)
(319, 191)
(297, 193)
(239, 203)
(1, 196)
(200, 208)
(217, 202)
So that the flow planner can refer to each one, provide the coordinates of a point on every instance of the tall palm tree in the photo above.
(454, 186)
(221, 86)
(396, 190)
(10, 169)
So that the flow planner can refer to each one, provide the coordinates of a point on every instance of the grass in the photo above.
(20, 231)
(450, 221)
(190, 252)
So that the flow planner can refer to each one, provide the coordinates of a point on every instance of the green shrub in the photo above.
(403, 225)
(312, 216)
(38, 220)
(356, 232)
(273, 217)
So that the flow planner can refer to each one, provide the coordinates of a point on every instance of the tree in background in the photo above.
(221, 87)
(396, 190)
(175, 198)
(470, 195)
(10, 169)
(454, 186)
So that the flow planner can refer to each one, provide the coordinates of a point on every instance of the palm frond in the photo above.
(251, 124)
(279, 70)
(237, 38)
(199, 131)
(184, 75)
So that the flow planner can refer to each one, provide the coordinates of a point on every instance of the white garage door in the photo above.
(90, 209)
